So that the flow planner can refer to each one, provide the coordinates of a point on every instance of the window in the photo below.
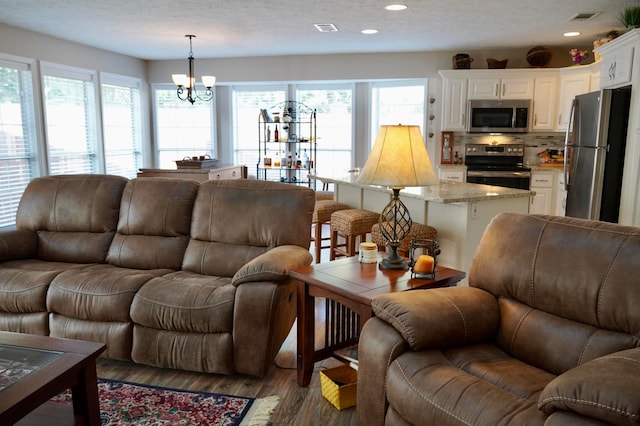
(334, 111)
(17, 136)
(182, 129)
(121, 125)
(247, 102)
(70, 120)
(397, 102)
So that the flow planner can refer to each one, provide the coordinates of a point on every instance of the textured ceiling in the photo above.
(155, 29)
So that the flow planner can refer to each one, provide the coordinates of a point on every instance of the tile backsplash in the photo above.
(534, 142)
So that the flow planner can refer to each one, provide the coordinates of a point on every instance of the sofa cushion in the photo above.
(153, 230)
(235, 221)
(534, 337)
(101, 294)
(606, 388)
(74, 216)
(572, 268)
(425, 385)
(24, 291)
(185, 302)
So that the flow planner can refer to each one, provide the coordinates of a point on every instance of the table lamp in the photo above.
(398, 159)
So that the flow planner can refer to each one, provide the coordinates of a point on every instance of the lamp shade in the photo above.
(399, 159)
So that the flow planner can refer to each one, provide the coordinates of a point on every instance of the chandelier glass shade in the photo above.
(187, 83)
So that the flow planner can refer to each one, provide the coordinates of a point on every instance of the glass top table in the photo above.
(18, 362)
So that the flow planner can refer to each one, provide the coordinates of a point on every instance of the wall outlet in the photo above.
(474, 210)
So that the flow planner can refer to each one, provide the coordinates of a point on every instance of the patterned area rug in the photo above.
(124, 403)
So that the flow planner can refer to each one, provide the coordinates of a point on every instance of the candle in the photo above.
(424, 264)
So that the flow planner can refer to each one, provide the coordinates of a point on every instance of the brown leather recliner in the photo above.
(546, 333)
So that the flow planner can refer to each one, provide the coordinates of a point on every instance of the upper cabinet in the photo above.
(500, 88)
(454, 105)
(616, 66)
(573, 81)
(545, 93)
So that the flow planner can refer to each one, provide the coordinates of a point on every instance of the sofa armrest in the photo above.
(274, 265)
(18, 244)
(605, 388)
(441, 317)
(379, 345)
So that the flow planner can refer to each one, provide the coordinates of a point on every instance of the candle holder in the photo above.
(428, 248)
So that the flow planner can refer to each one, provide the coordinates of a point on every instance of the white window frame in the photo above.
(180, 147)
(131, 83)
(30, 107)
(74, 73)
(373, 115)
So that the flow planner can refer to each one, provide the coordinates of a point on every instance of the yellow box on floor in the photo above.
(339, 386)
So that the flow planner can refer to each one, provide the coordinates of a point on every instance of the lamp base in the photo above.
(393, 264)
(394, 260)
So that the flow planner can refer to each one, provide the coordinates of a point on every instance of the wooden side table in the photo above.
(349, 286)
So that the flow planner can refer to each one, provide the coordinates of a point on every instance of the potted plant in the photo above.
(630, 16)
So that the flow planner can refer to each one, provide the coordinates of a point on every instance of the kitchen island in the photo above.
(459, 211)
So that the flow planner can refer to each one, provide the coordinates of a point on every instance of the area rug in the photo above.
(125, 403)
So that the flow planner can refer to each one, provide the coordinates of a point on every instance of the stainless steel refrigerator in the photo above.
(594, 154)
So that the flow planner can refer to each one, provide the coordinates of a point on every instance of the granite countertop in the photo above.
(547, 168)
(446, 192)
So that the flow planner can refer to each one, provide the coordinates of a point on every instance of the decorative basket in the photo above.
(189, 163)
(539, 57)
(495, 64)
(339, 386)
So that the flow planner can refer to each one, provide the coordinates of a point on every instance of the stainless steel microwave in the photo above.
(496, 116)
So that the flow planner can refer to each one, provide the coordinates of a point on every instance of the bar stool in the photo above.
(322, 215)
(418, 231)
(350, 224)
(324, 195)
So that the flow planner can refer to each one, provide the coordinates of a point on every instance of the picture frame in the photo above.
(446, 148)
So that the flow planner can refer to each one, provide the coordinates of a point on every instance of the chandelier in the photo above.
(187, 83)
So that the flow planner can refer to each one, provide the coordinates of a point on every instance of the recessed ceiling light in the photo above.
(571, 34)
(396, 7)
(370, 31)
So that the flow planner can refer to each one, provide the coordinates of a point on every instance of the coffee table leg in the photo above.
(86, 405)
(306, 334)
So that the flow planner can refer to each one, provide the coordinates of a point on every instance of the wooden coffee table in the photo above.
(42, 367)
(349, 286)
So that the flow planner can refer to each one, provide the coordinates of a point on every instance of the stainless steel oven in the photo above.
(497, 164)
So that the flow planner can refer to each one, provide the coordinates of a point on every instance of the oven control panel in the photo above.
(513, 150)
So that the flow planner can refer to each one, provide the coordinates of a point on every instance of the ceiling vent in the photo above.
(326, 28)
(584, 16)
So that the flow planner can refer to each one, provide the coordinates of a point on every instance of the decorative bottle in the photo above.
(275, 134)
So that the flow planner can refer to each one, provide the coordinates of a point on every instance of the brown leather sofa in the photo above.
(546, 333)
(166, 272)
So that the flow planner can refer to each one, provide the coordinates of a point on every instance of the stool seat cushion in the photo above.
(418, 231)
(354, 221)
(324, 195)
(324, 208)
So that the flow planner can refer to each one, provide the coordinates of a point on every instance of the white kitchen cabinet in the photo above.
(573, 81)
(500, 88)
(451, 175)
(542, 184)
(454, 105)
(544, 103)
(616, 67)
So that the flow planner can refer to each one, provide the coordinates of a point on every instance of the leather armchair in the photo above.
(546, 333)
